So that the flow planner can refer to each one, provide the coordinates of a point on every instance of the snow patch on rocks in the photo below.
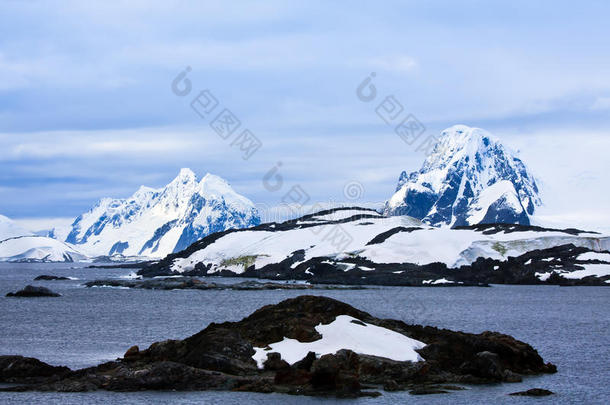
(349, 333)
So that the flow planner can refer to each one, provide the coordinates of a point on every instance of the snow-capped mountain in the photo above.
(156, 222)
(38, 249)
(469, 178)
(19, 244)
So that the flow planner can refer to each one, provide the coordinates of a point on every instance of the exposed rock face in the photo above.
(220, 357)
(469, 178)
(33, 291)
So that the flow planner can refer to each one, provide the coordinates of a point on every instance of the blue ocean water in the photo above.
(568, 326)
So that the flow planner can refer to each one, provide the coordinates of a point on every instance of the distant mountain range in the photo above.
(19, 244)
(469, 178)
(156, 222)
(150, 223)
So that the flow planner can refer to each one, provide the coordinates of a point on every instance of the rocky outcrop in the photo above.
(19, 369)
(34, 291)
(45, 277)
(534, 392)
(220, 357)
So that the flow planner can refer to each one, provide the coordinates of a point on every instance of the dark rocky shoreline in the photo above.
(220, 358)
(192, 283)
(356, 270)
(519, 270)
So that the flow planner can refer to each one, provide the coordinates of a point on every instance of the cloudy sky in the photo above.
(87, 108)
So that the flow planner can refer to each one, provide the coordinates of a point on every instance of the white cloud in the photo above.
(395, 63)
(601, 103)
(269, 53)
(571, 167)
(40, 224)
(99, 143)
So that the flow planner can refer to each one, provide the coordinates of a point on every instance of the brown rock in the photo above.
(132, 351)
(292, 376)
(391, 385)
(337, 373)
(306, 362)
(274, 362)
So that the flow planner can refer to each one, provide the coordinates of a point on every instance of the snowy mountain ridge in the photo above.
(360, 246)
(156, 222)
(469, 178)
(33, 248)
(20, 245)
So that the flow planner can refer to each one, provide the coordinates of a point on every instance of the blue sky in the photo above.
(87, 111)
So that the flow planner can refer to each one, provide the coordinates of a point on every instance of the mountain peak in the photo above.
(464, 163)
(465, 136)
(185, 175)
(156, 222)
(459, 141)
(461, 129)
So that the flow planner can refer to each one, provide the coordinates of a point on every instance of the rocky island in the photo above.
(46, 277)
(304, 346)
(33, 291)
